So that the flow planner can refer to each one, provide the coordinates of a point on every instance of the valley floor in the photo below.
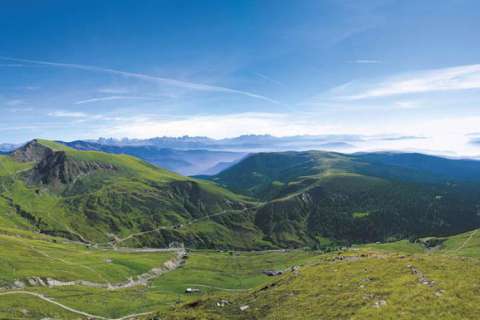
(44, 277)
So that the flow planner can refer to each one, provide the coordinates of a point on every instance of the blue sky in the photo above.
(85, 69)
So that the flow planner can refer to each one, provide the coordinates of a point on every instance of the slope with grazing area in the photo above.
(70, 221)
(47, 277)
(97, 197)
(398, 280)
(315, 197)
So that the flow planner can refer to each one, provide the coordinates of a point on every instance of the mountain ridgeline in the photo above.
(99, 198)
(317, 197)
(185, 162)
(267, 200)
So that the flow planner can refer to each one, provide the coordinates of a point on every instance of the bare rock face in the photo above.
(54, 168)
(57, 169)
(31, 152)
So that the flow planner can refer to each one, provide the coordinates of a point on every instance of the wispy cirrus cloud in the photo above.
(11, 65)
(114, 90)
(67, 114)
(366, 61)
(14, 102)
(398, 137)
(140, 76)
(409, 104)
(78, 116)
(269, 79)
(436, 80)
(20, 110)
(111, 98)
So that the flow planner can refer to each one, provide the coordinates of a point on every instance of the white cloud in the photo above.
(447, 136)
(20, 110)
(14, 102)
(145, 77)
(409, 104)
(446, 79)
(110, 98)
(80, 117)
(366, 61)
(269, 79)
(215, 126)
(11, 65)
(114, 90)
(68, 114)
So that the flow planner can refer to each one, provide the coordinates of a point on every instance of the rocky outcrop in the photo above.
(31, 152)
(57, 168)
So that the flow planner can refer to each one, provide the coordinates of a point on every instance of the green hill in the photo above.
(97, 197)
(48, 277)
(432, 278)
(315, 197)
(355, 285)
(45, 277)
(66, 216)
(43, 257)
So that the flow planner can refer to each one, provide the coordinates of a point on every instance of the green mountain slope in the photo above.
(48, 277)
(355, 285)
(40, 256)
(315, 197)
(98, 197)
(432, 278)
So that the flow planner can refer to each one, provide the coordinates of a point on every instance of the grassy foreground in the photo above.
(27, 255)
(400, 280)
(373, 286)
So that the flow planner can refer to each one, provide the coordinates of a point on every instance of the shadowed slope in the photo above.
(315, 197)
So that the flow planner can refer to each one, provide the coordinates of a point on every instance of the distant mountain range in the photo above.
(7, 147)
(186, 162)
(202, 155)
(266, 200)
(206, 156)
(251, 143)
(246, 143)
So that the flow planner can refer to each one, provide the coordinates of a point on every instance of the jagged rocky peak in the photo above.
(55, 167)
(33, 151)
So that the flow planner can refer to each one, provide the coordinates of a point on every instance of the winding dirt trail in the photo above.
(68, 262)
(116, 240)
(467, 240)
(73, 310)
(140, 280)
(217, 288)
